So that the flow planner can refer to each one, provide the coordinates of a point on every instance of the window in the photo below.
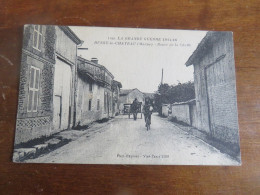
(89, 104)
(37, 37)
(98, 104)
(33, 89)
(90, 86)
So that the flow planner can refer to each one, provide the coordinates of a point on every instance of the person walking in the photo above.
(134, 108)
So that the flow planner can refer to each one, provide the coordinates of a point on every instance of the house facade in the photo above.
(215, 87)
(48, 57)
(116, 86)
(64, 78)
(94, 94)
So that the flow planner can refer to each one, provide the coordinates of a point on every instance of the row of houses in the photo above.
(97, 93)
(58, 89)
(214, 111)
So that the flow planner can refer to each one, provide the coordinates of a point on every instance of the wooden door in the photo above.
(62, 88)
(57, 112)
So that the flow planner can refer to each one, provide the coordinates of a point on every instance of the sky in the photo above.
(137, 56)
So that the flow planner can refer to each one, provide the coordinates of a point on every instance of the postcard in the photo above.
(106, 95)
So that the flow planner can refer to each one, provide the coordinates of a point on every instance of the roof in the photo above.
(192, 101)
(71, 34)
(88, 61)
(206, 43)
(116, 83)
(96, 64)
(127, 91)
(107, 71)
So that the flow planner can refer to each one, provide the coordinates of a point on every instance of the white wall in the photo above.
(165, 110)
(181, 112)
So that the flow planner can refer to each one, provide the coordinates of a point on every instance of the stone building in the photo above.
(149, 95)
(127, 96)
(47, 69)
(215, 87)
(64, 78)
(116, 86)
(94, 94)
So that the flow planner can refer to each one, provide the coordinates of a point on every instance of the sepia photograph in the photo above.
(108, 95)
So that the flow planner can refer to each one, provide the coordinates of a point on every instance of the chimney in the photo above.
(95, 60)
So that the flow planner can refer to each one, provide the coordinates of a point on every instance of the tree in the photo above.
(168, 94)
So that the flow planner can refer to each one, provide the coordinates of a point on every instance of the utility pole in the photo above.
(160, 111)
(162, 77)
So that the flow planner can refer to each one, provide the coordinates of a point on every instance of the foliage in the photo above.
(168, 94)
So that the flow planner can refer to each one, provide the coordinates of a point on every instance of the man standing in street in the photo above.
(134, 108)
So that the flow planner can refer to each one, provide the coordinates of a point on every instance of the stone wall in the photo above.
(215, 89)
(31, 128)
(47, 49)
(65, 46)
(181, 112)
(30, 124)
(85, 116)
(46, 82)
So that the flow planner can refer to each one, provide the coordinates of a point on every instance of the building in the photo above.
(215, 87)
(116, 86)
(127, 96)
(46, 88)
(64, 78)
(149, 95)
(94, 94)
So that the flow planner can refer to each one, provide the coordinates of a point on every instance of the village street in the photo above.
(125, 141)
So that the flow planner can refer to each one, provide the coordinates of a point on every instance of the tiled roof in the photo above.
(125, 91)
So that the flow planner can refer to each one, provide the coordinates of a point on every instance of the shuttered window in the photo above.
(37, 37)
(33, 89)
